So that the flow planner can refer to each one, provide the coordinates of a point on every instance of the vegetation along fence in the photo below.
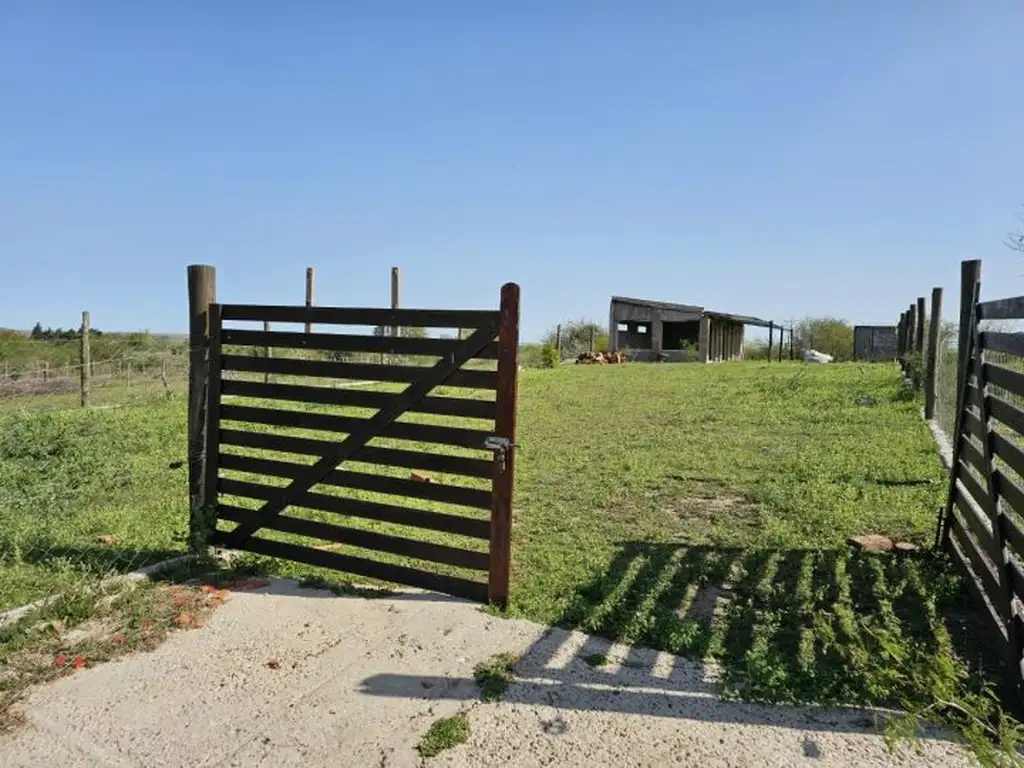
(982, 524)
(258, 416)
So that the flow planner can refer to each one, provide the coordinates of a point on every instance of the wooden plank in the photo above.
(364, 481)
(504, 461)
(213, 408)
(1012, 454)
(973, 396)
(395, 457)
(1014, 534)
(413, 318)
(975, 587)
(981, 566)
(1010, 415)
(398, 574)
(972, 487)
(355, 371)
(972, 424)
(1004, 378)
(1002, 309)
(1010, 492)
(354, 537)
(1007, 343)
(973, 520)
(424, 433)
(972, 455)
(359, 398)
(337, 342)
(368, 510)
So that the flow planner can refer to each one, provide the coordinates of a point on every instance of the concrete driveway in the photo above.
(289, 676)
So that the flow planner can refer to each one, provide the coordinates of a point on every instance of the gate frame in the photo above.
(205, 380)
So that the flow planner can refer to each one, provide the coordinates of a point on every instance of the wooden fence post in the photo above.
(202, 292)
(591, 339)
(934, 322)
(782, 341)
(899, 338)
(267, 352)
(771, 331)
(85, 360)
(792, 349)
(970, 286)
(500, 551)
(919, 339)
(309, 294)
(558, 341)
(396, 278)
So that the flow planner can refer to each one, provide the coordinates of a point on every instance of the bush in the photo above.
(549, 356)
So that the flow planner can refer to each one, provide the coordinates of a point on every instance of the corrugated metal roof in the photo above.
(692, 308)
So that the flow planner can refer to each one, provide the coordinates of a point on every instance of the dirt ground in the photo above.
(283, 675)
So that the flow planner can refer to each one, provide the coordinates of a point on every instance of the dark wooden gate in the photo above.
(401, 429)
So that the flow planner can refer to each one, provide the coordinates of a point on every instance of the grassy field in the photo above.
(697, 509)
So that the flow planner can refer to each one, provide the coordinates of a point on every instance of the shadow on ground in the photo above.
(834, 627)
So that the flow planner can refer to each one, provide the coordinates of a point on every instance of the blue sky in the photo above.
(779, 159)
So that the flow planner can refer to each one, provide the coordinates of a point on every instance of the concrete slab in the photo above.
(289, 676)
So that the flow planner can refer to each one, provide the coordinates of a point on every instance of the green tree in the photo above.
(830, 335)
(576, 336)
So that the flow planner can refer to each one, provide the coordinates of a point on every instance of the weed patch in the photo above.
(444, 734)
(494, 675)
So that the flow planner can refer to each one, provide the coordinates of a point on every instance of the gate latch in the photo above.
(500, 446)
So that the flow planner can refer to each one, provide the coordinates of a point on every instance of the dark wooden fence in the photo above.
(982, 526)
(268, 468)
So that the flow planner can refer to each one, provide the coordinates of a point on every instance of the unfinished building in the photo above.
(658, 330)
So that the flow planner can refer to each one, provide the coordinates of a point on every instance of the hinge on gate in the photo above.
(500, 446)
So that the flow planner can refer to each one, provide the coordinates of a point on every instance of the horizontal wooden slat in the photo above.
(1002, 309)
(424, 433)
(355, 371)
(972, 455)
(973, 488)
(972, 425)
(1008, 452)
(368, 510)
(979, 564)
(363, 481)
(354, 537)
(1008, 343)
(472, 590)
(1010, 415)
(395, 457)
(973, 520)
(1014, 530)
(976, 589)
(337, 342)
(358, 398)
(1009, 491)
(1012, 381)
(411, 318)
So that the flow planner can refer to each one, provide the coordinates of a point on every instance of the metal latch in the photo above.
(500, 446)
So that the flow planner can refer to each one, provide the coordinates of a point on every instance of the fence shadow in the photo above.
(785, 625)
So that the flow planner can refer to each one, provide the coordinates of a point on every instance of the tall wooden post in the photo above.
(504, 460)
(919, 338)
(771, 332)
(704, 339)
(309, 294)
(202, 292)
(85, 359)
(792, 350)
(912, 321)
(558, 341)
(934, 322)
(591, 339)
(395, 297)
(782, 340)
(970, 286)
(267, 352)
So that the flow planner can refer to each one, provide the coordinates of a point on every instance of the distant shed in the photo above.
(659, 330)
(874, 342)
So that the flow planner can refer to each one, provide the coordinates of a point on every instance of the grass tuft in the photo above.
(494, 675)
(444, 734)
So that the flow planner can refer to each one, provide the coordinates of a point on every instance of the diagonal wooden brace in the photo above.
(432, 377)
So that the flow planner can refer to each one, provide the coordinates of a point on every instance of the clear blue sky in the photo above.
(772, 158)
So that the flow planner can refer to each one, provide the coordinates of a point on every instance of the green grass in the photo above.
(445, 733)
(494, 675)
(701, 510)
